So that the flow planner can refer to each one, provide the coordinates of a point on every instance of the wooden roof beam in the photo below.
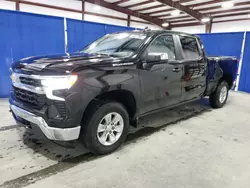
(219, 21)
(228, 11)
(217, 7)
(151, 1)
(120, 1)
(190, 6)
(217, 16)
(215, 12)
(152, 7)
(126, 11)
(138, 4)
(234, 14)
(212, 13)
(175, 4)
(171, 9)
(159, 6)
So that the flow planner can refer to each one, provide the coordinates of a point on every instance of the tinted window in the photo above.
(190, 47)
(163, 44)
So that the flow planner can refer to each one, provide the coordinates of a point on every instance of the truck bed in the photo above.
(228, 64)
(228, 67)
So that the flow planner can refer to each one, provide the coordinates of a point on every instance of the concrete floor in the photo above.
(208, 149)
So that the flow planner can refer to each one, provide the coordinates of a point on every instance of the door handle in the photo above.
(176, 69)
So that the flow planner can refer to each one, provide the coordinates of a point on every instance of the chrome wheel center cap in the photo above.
(109, 127)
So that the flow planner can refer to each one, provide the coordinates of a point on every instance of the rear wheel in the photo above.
(219, 97)
(105, 127)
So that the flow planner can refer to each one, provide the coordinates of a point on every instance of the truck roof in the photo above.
(153, 32)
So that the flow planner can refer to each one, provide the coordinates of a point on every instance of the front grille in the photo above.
(30, 81)
(29, 98)
(61, 108)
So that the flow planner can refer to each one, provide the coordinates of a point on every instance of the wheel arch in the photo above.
(125, 97)
(227, 78)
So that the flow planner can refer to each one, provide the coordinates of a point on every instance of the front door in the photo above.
(161, 82)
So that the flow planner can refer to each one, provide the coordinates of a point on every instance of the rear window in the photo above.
(190, 47)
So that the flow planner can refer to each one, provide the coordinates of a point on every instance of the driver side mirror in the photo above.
(157, 58)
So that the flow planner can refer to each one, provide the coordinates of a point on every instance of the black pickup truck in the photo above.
(96, 94)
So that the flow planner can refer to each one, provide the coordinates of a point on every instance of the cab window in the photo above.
(190, 47)
(163, 44)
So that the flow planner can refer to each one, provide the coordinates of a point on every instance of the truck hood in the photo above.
(66, 63)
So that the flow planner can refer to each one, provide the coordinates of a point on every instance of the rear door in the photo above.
(161, 83)
(195, 66)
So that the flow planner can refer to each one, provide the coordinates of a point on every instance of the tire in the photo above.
(219, 97)
(98, 113)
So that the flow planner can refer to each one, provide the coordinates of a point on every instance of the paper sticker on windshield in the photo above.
(137, 36)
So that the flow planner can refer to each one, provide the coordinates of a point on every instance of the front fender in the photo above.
(122, 79)
(93, 84)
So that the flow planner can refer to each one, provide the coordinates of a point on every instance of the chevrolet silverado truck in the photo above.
(96, 94)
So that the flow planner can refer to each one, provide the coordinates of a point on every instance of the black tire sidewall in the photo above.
(90, 134)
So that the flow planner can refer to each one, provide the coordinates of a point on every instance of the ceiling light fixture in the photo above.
(165, 24)
(205, 20)
(227, 4)
(175, 13)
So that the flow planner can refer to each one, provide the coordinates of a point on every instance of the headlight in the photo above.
(59, 82)
(14, 78)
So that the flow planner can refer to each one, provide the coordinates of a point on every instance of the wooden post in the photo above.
(17, 4)
(209, 26)
(83, 9)
(128, 21)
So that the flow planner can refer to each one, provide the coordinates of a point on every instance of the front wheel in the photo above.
(219, 97)
(106, 127)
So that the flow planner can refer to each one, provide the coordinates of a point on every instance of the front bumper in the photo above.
(58, 134)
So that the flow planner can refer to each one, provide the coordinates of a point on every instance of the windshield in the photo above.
(117, 44)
